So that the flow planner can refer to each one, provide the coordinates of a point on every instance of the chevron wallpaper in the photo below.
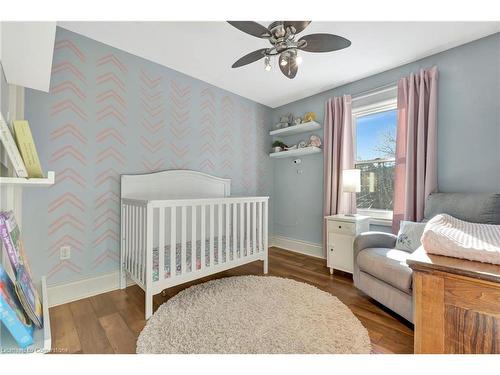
(109, 112)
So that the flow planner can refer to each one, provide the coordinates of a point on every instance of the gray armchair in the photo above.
(381, 271)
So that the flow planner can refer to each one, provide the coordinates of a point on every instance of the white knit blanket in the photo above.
(447, 235)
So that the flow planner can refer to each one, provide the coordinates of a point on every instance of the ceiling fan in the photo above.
(281, 35)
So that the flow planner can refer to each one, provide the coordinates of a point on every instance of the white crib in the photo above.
(181, 225)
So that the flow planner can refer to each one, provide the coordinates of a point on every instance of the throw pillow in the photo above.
(409, 236)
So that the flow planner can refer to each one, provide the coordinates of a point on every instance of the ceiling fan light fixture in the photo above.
(267, 64)
(282, 36)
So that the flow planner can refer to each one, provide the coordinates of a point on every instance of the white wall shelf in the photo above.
(20, 181)
(42, 341)
(296, 152)
(296, 129)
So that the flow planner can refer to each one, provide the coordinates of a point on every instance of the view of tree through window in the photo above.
(375, 155)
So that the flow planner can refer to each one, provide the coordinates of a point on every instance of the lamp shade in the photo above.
(351, 180)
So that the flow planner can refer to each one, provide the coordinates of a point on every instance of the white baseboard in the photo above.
(73, 291)
(76, 290)
(298, 246)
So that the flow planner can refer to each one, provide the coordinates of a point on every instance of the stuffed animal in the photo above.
(310, 116)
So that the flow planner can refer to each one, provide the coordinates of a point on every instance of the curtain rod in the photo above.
(376, 90)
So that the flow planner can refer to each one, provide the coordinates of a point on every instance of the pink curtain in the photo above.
(338, 155)
(416, 145)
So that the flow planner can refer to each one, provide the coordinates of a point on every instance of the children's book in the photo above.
(11, 148)
(27, 147)
(11, 313)
(26, 291)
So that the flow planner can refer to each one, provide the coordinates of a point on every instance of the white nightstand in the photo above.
(341, 231)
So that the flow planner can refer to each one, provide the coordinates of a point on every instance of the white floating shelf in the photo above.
(296, 129)
(42, 340)
(20, 181)
(296, 152)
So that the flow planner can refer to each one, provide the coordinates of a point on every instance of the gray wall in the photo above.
(90, 128)
(468, 134)
(107, 113)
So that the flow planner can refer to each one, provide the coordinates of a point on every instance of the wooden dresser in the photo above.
(456, 305)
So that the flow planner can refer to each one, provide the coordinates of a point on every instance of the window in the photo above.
(375, 142)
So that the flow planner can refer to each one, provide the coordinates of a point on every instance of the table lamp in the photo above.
(351, 182)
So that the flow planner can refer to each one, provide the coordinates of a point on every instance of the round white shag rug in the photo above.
(253, 314)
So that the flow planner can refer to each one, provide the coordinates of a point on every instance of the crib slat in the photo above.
(135, 235)
(130, 231)
(242, 229)
(259, 248)
(212, 233)
(219, 237)
(173, 241)
(193, 238)
(254, 227)
(143, 243)
(123, 248)
(125, 236)
(148, 248)
(161, 243)
(139, 244)
(183, 239)
(203, 237)
(140, 248)
(247, 234)
(227, 207)
(235, 229)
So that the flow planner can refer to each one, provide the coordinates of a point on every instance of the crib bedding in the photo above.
(156, 257)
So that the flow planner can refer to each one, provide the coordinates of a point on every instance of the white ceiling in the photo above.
(206, 50)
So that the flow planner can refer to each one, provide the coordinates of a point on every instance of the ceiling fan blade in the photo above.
(297, 25)
(323, 43)
(290, 69)
(252, 28)
(250, 58)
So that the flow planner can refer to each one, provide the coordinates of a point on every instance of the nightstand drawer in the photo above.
(341, 227)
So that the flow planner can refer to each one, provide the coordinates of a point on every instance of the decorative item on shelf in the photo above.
(286, 120)
(278, 126)
(310, 116)
(278, 146)
(302, 144)
(314, 141)
(294, 147)
(297, 121)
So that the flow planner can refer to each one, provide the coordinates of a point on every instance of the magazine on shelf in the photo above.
(27, 148)
(12, 314)
(10, 146)
(25, 289)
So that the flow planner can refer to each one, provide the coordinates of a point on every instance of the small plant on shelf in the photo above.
(278, 146)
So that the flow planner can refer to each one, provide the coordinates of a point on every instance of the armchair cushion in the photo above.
(388, 265)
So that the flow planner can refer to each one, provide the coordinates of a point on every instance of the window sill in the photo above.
(377, 217)
(381, 222)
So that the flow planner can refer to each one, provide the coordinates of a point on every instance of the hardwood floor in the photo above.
(111, 322)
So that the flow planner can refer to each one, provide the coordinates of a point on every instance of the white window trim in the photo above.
(379, 217)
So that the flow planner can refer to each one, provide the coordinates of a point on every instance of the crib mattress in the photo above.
(189, 249)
